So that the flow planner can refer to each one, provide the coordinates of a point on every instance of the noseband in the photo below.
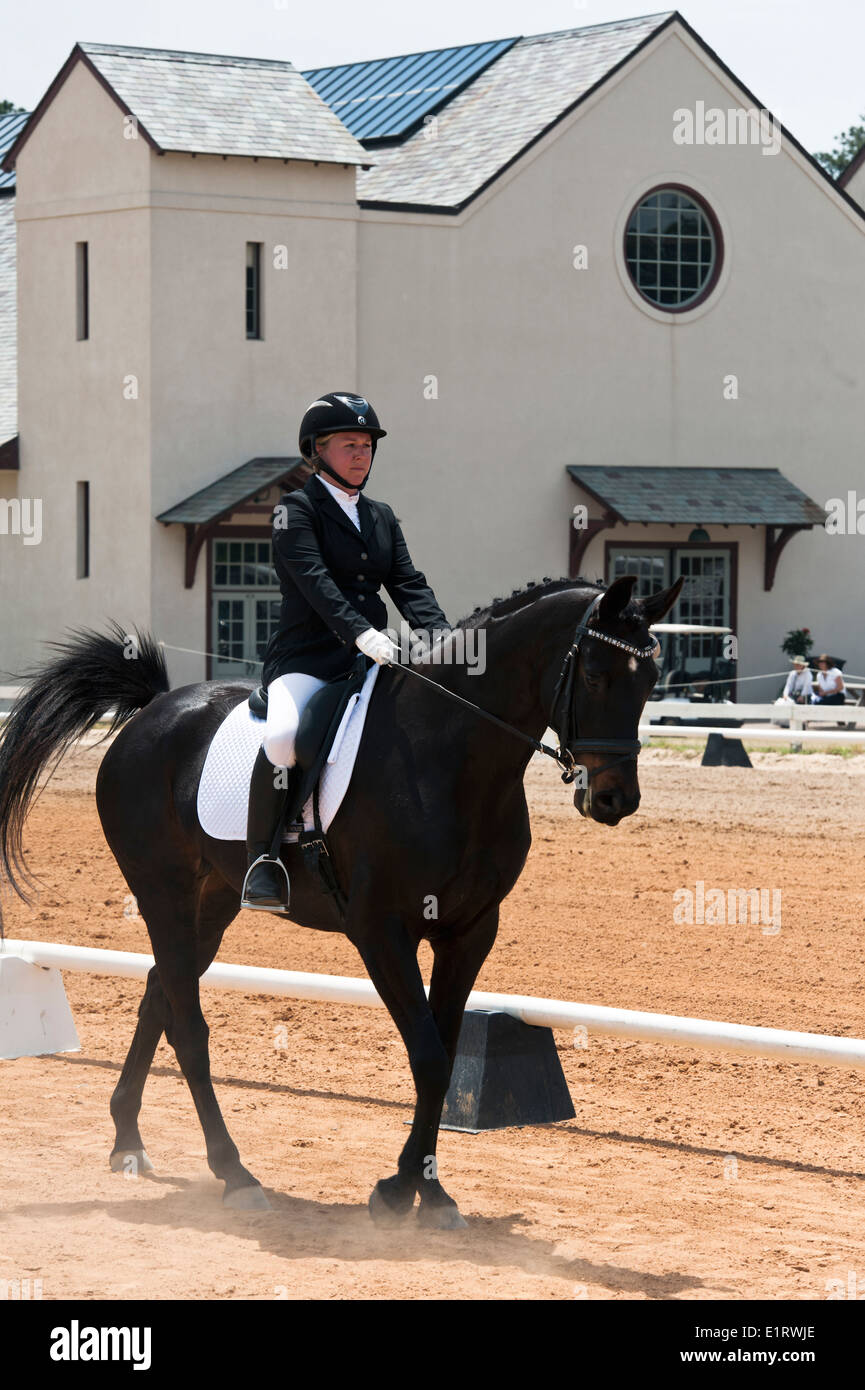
(570, 743)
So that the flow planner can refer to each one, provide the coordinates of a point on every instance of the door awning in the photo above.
(696, 497)
(202, 511)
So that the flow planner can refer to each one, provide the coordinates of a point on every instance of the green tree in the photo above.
(846, 147)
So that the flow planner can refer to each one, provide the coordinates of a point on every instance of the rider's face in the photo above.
(350, 454)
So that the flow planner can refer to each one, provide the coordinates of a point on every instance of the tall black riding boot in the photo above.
(266, 884)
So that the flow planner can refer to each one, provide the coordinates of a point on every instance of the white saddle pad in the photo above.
(223, 792)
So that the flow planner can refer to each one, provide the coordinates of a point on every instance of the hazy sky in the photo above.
(803, 60)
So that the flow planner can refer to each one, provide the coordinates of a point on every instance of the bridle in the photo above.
(570, 742)
(566, 729)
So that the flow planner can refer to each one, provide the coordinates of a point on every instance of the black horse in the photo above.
(431, 836)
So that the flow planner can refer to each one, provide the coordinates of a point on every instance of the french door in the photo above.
(245, 605)
(706, 597)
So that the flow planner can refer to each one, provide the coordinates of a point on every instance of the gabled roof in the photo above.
(507, 107)
(8, 345)
(387, 98)
(517, 99)
(204, 103)
(11, 126)
(725, 496)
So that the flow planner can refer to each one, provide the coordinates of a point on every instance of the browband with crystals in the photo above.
(651, 650)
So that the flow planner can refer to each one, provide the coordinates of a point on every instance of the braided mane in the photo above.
(532, 590)
(519, 598)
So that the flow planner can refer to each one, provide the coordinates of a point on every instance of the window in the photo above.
(82, 562)
(82, 291)
(243, 564)
(673, 248)
(253, 289)
(652, 568)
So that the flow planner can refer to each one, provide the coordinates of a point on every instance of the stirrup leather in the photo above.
(265, 907)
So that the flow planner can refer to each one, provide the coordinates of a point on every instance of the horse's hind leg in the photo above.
(128, 1154)
(218, 906)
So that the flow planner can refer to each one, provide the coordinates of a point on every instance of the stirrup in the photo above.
(282, 908)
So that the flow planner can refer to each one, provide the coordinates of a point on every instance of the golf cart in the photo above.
(694, 669)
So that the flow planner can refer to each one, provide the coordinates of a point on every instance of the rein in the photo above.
(569, 740)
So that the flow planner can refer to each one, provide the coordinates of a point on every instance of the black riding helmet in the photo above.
(336, 413)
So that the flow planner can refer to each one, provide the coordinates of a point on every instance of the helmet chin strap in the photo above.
(326, 468)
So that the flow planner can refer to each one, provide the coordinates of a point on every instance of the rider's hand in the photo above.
(377, 645)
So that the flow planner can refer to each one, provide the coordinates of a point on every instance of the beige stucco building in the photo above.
(471, 266)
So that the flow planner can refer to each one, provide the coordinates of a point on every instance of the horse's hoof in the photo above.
(249, 1198)
(441, 1217)
(131, 1161)
(382, 1213)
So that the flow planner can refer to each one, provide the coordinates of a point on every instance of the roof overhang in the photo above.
(202, 511)
(9, 457)
(695, 497)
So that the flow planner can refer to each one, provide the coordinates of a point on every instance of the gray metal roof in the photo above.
(8, 344)
(235, 487)
(204, 103)
(11, 126)
(508, 105)
(728, 496)
(386, 98)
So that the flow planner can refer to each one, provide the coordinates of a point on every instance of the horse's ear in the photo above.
(656, 605)
(617, 597)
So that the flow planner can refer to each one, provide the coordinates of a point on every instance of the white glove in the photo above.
(377, 645)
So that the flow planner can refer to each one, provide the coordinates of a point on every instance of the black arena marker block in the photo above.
(725, 752)
(506, 1073)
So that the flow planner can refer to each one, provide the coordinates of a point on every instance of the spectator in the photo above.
(830, 683)
(799, 686)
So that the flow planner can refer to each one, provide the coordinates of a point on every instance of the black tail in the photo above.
(91, 673)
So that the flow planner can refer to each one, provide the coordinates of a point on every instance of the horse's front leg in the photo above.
(390, 956)
(458, 958)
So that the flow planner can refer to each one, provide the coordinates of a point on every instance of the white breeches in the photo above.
(287, 698)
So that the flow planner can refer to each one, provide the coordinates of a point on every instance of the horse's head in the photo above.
(600, 702)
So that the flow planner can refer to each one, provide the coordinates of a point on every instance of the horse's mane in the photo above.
(532, 590)
(519, 598)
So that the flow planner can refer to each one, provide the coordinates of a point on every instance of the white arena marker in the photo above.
(778, 1043)
(35, 1018)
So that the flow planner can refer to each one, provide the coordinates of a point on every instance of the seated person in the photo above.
(830, 683)
(799, 685)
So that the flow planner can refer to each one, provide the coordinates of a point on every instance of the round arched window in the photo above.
(673, 248)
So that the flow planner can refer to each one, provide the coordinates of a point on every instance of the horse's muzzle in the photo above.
(606, 805)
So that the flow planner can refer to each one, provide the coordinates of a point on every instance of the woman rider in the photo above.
(333, 549)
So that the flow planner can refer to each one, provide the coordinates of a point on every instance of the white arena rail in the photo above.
(777, 1043)
(771, 713)
(832, 738)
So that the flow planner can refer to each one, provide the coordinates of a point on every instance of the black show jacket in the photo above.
(330, 575)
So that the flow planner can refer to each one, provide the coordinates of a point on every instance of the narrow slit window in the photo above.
(82, 290)
(253, 289)
(83, 530)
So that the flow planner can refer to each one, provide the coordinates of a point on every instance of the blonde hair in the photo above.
(320, 439)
